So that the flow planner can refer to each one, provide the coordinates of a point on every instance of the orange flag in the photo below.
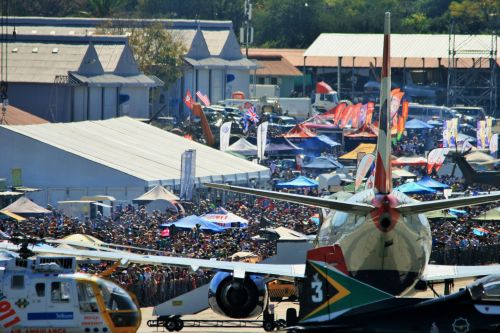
(405, 109)
(346, 115)
(369, 113)
(355, 115)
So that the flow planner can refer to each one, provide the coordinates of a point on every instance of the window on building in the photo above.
(274, 80)
(260, 80)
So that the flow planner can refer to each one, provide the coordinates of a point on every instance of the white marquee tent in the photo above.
(121, 157)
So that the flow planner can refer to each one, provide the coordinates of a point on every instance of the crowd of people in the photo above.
(135, 226)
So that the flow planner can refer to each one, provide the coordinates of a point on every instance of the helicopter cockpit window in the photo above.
(122, 309)
(17, 282)
(86, 297)
(40, 289)
(492, 291)
(59, 292)
(115, 298)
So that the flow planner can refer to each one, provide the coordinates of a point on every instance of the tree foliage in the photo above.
(293, 23)
(157, 51)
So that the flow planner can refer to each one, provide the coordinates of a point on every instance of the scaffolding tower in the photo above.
(473, 71)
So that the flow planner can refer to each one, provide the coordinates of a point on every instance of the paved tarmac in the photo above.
(280, 311)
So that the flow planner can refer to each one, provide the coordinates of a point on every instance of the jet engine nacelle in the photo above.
(237, 298)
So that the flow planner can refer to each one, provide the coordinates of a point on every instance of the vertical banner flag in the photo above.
(338, 111)
(225, 134)
(396, 97)
(449, 136)
(362, 114)
(363, 167)
(188, 174)
(203, 98)
(436, 158)
(355, 116)
(480, 134)
(188, 99)
(494, 145)
(261, 140)
(369, 112)
(454, 132)
(488, 131)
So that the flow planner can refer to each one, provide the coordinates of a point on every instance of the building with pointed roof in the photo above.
(214, 62)
(76, 77)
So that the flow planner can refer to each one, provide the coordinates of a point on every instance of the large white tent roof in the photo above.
(136, 148)
(403, 46)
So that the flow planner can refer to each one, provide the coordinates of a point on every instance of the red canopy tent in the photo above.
(300, 131)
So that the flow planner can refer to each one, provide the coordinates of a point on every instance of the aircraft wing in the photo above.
(344, 206)
(428, 206)
(443, 272)
(239, 269)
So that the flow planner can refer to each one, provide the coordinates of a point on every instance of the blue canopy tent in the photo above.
(299, 182)
(323, 162)
(431, 183)
(190, 222)
(316, 145)
(417, 124)
(282, 147)
(414, 188)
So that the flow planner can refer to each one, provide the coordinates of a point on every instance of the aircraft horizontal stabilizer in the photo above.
(428, 206)
(343, 206)
(442, 272)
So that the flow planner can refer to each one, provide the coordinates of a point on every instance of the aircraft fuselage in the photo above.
(383, 248)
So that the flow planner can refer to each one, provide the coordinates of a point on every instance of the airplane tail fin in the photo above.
(383, 172)
(328, 290)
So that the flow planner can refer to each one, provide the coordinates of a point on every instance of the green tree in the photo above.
(46, 7)
(476, 16)
(104, 8)
(287, 23)
(158, 52)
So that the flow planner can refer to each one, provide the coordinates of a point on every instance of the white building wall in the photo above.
(95, 103)
(217, 92)
(240, 82)
(61, 175)
(138, 104)
(110, 102)
(203, 82)
(80, 104)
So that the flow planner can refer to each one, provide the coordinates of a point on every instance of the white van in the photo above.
(429, 112)
(470, 113)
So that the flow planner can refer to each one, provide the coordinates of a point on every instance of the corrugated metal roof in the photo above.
(114, 80)
(109, 55)
(135, 148)
(215, 62)
(412, 46)
(42, 62)
(39, 62)
(15, 116)
(275, 66)
(294, 56)
(215, 40)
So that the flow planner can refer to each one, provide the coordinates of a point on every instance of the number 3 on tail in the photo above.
(317, 287)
